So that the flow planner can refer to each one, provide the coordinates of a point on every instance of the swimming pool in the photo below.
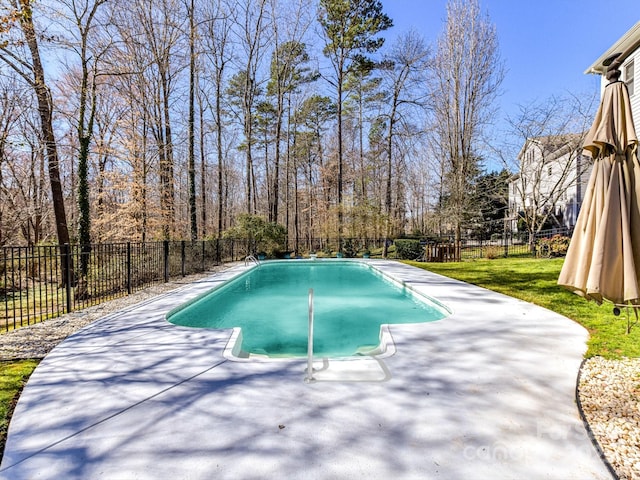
(269, 304)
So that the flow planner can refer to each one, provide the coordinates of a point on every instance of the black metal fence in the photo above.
(41, 282)
(508, 245)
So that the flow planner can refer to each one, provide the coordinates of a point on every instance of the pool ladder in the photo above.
(309, 378)
(251, 258)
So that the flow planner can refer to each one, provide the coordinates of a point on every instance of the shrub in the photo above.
(349, 248)
(408, 249)
(555, 246)
(493, 251)
(260, 234)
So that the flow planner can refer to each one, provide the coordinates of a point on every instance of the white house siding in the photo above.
(572, 207)
(635, 98)
(538, 176)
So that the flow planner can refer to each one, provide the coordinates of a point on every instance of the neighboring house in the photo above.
(561, 190)
(552, 179)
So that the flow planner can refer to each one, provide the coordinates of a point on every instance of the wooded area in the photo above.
(141, 120)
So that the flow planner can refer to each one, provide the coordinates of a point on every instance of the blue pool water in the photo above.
(270, 304)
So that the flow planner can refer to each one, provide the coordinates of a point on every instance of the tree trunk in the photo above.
(221, 197)
(193, 218)
(203, 175)
(340, 160)
(166, 163)
(45, 110)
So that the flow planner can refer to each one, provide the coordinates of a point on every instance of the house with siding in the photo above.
(551, 181)
(559, 158)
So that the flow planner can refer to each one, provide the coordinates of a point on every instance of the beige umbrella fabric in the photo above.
(605, 248)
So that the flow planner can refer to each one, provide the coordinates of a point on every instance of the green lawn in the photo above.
(13, 376)
(534, 280)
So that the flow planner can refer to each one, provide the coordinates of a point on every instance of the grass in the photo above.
(13, 376)
(36, 302)
(534, 280)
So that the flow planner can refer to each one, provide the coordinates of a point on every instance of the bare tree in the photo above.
(364, 94)
(23, 201)
(9, 115)
(31, 70)
(310, 124)
(25, 193)
(132, 76)
(191, 161)
(252, 24)
(143, 76)
(466, 77)
(216, 42)
(84, 40)
(289, 70)
(549, 165)
(133, 136)
(159, 24)
(404, 67)
(422, 184)
(108, 124)
(33, 74)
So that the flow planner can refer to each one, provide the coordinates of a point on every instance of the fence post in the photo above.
(182, 258)
(504, 244)
(165, 245)
(128, 268)
(66, 255)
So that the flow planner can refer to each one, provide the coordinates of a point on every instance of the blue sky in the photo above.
(546, 45)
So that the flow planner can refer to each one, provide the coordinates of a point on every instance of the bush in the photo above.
(493, 251)
(408, 249)
(555, 246)
(260, 234)
(349, 248)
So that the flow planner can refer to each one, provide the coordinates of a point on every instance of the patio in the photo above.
(488, 392)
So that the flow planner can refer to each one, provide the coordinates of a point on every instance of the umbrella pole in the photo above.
(627, 306)
(628, 322)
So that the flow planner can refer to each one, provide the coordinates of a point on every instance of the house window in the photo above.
(629, 76)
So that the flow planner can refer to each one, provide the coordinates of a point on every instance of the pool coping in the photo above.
(488, 392)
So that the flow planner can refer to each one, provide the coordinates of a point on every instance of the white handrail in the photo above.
(309, 377)
(251, 258)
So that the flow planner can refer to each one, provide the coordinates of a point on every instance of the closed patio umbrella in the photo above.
(603, 260)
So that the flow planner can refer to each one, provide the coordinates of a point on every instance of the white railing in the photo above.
(251, 258)
(309, 377)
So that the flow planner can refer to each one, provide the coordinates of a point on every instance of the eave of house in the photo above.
(553, 146)
(621, 45)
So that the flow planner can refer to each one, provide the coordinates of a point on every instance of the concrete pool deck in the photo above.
(487, 393)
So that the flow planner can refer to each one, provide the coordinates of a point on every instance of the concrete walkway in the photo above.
(487, 393)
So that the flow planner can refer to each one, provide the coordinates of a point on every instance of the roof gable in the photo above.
(553, 146)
